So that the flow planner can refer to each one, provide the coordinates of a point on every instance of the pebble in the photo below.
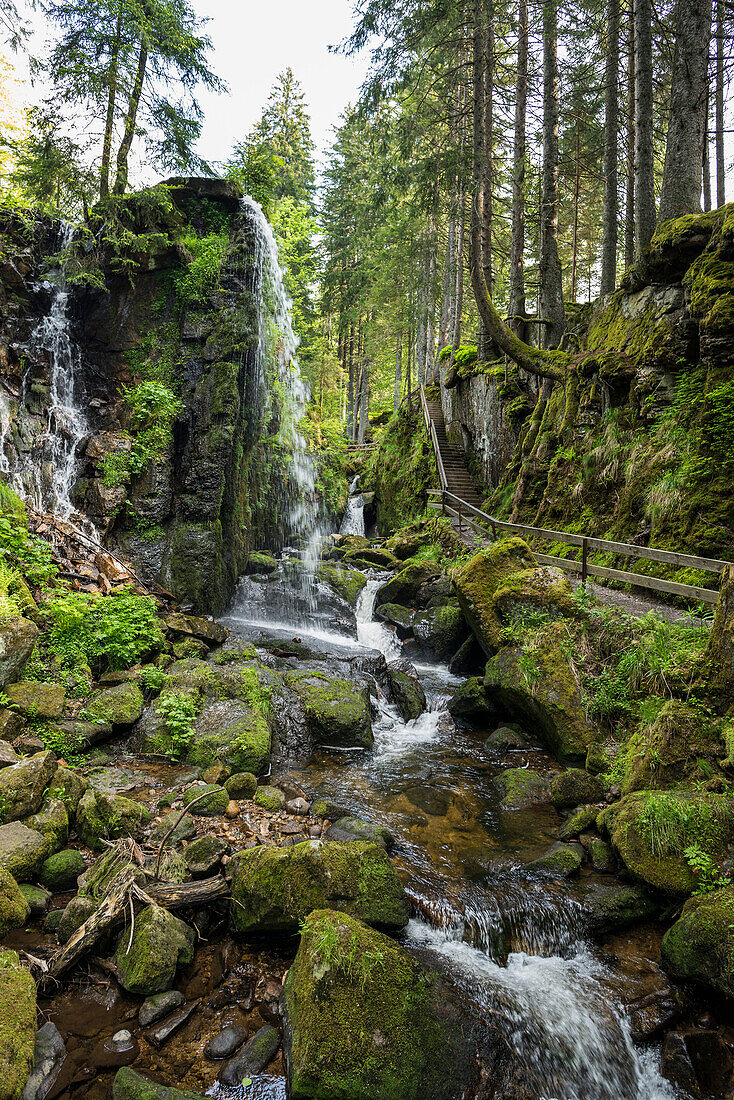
(297, 806)
(233, 809)
(314, 830)
(226, 1042)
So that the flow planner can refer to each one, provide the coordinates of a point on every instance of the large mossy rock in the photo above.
(522, 787)
(208, 630)
(14, 908)
(441, 631)
(337, 712)
(22, 785)
(129, 1085)
(22, 851)
(160, 944)
(650, 831)
(717, 669)
(364, 1020)
(614, 906)
(396, 615)
(119, 706)
(347, 583)
(478, 581)
(60, 871)
(17, 1025)
(52, 821)
(575, 787)
(274, 889)
(699, 947)
(17, 639)
(37, 700)
(539, 687)
(405, 587)
(68, 786)
(680, 748)
(471, 703)
(101, 816)
(407, 691)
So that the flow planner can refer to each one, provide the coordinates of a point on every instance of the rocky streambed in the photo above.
(349, 865)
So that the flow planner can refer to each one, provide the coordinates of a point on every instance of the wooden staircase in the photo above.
(451, 462)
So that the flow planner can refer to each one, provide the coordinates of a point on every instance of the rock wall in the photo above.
(186, 489)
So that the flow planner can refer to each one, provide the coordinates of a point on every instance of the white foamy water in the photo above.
(370, 632)
(353, 521)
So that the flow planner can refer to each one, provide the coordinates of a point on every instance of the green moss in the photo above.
(347, 583)
(338, 714)
(700, 945)
(121, 705)
(17, 1024)
(522, 787)
(213, 805)
(160, 944)
(269, 798)
(103, 817)
(14, 909)
(478, 581)
(403, 469)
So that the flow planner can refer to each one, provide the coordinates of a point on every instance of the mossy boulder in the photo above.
(337, 712)
(477, 582)
(717, 669)
(680, 747)
(597, 759)
(36, 898)
(160, 944)
(22, 851)
(235, 732)
(101, 816)
(578, 822)
(441, 631)
(61, 870)
(14, 907)
(407, 543)
(365, 1020)
(209, 630)
(346, 829)
(130, 1085)
(120, 706)
(602, 856)
(407, 691)
(51, 821)
(699, 947)
(202, 856)
(614, 906)
(17, 1025)
(241, 785)
(73, 917)
(37, 700)
(396, 615)
(575, 787)
(68, 786)
(373, 556)
(274, 889)
(470, 702)
(539, 687)
(405, 587)
(650, 831)
(560, 859)
(17, 639)
(269, 798)
(259, 562)
(214, 802)
(347, 583)
(522, 787)
(22, 785)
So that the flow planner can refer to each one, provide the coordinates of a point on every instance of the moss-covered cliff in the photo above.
(402, 470)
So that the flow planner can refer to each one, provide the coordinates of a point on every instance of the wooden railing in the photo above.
(484, 525)
(431, 429)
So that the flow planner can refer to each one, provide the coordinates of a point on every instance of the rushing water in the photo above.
(510, 940)
(353, 521)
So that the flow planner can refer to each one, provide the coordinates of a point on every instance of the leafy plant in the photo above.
(115, 631)
(708, 876)
(177, 712)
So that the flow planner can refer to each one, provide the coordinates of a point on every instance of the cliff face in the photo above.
(177, 463)
(638, 444)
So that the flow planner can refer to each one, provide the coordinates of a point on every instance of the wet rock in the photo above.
(28, 743)
(68, 786)
(481, 578)
(699, 947)
(347, 829)
(102, 816)
(129, 1085)
(345, 582)
(471, 703)
(155, 1008)
(60, 871)
(225, 1043)
(202, 856)
(699, 1063)
(17, 1025)
(259, 562)
(522, 787)
(408, 693)
(297, 806)
(614, 906)
(214, 804)
(17, 639)
(560, 859)
(85, 734)
(206, 629)
(717, 671)
(549, 701)
(167, 1028)
(269, 798)
(356, 1029)
(274, 889)
(597, 760)
(405, 586)
(184, 830)
(14, 905)
(507, 737)
(52, 821)
(49, 1053)
(36, 700)
(217, 773)
(398, 616)
(22, 851)
(259, 1051)
(233, 731)
(326, 807)
(650, 1014)
(469, 658)
(441, 630)
(8, 755)
(654, 854)
(160, 944)
(120, 706)
(38, 899)
(73, 917)
(602, 856)
(52, 921)
(190, 647)
(22, 785)
(241, 785)
(577, 823)
(337, 713)
(575, 787)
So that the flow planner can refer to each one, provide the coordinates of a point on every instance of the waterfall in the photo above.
(4, 433)
(353, 521)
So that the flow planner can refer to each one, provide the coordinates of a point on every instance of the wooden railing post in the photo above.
(584, 560)
(459, 517)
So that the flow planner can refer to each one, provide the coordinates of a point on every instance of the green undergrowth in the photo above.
(402, 470)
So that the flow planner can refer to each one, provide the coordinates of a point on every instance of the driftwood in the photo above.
(177, 822)
(120, 900)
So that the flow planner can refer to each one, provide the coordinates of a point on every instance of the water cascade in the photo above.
(353, 521)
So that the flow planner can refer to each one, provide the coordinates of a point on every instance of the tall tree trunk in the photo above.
(644, 167)
(459, 292)
(104, 169)
(681, 189)
(719, 122)
(519, 154)
(706, 166)
(483, 107)
(350, 390)
(551, 287)
(130, 118)
(364, 401)
(576, 197)
(409, 369)
(431, 358)
(629, 204)
(449, 276)
(398, 368)
(611, 123)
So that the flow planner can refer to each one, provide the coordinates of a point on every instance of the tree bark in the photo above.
(398, 368)
(459, 292)
(576, 198)
(719, 121)
(551, 288)
(681, 189)
(350, 389)
(132, 113)
(449, 276)
(611, 124)
(706, 166)
(364, 402)
(644, 167)
(483, 107)
(629, 205)
(519, 154)
(104, 169)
